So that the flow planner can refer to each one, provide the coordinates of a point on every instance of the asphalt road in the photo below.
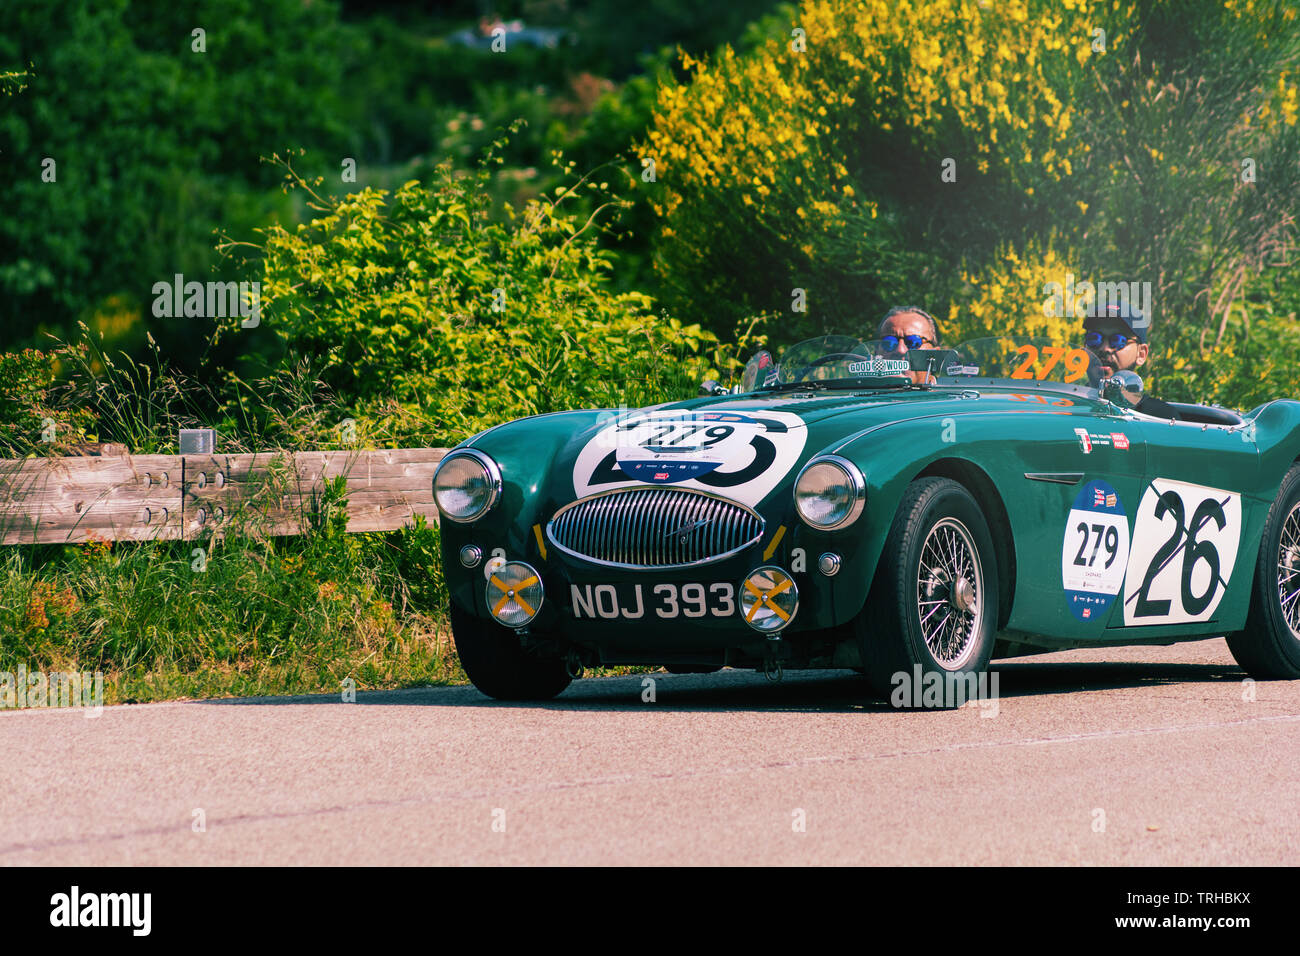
(1132, 756)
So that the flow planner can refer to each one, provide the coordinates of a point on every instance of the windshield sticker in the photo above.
(1185, 540)
(1036, 363)
(1094, 554)
(880, 366)
(962, 370)
(740, 456)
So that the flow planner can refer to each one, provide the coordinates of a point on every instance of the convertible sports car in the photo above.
(852, 508)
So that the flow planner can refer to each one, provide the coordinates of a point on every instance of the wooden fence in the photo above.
(144, 497)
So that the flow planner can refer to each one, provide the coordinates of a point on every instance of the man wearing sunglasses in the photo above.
(907, 327)
(1117, 335)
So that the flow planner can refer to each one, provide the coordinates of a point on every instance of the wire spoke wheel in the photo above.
(1268, 647)
(1288, 571)
(950, 592)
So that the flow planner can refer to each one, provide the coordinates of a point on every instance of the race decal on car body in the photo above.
(1095, 551)
(1185, 541)
(742, 455)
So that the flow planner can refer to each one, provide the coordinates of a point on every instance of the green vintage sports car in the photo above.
(849, 508)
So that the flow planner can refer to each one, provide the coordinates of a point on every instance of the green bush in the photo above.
(422, 305)
(32, 419)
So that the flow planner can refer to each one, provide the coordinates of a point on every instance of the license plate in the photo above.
(630, 602)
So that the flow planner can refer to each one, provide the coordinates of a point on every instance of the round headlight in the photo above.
(466, 485)
(830, 492)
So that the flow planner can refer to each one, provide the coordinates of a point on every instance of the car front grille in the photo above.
(654, 528)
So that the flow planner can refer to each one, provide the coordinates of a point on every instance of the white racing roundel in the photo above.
(741, 456)
(1185, 542)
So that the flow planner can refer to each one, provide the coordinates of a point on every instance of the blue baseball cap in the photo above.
(1128, 315)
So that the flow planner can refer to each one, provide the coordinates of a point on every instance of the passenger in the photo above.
(1117, 335)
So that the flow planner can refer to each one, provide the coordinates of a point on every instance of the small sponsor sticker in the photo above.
(1090, 440)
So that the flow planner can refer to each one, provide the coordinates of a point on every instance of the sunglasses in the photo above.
(1117, 340)
(890, 342)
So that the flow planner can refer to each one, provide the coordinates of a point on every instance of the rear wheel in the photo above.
(1269, 647)
(498, 666)
(934, 602)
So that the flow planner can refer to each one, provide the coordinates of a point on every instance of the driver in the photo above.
(907, 327)
(1117, 335)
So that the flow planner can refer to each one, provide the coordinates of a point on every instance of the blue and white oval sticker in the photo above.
(740, 455)
(1094, 554)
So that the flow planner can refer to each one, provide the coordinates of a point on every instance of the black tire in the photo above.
(1269, 647)
(890, 630)
(498, 666)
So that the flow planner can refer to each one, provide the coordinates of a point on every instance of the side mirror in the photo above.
(758, 371)
(1124, 389)
(710, 387)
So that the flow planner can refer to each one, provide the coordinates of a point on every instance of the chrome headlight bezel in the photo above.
(491, 476)
(855, 483)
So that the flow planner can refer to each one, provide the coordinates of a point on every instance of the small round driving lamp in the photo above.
(830, 493)
(466, 486)
(514, 594)
(769, 599)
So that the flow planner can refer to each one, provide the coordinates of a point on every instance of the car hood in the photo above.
(742, 447)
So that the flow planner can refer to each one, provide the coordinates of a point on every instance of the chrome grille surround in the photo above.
(654, 528)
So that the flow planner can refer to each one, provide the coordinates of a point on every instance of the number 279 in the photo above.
(1103, 532)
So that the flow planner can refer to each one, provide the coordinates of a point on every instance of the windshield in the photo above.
(1020, 357)
(836, 358)
(841, 360)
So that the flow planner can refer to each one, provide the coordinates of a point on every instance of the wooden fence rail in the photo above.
(145, 497)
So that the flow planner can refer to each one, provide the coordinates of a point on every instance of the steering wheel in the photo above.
(835, 357)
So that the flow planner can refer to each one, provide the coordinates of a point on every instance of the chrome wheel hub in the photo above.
(950, 583)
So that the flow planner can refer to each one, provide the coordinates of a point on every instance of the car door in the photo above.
(1084, 469)
(1187, 550)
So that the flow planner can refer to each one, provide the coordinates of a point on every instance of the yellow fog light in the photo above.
(514, 594)
(768, 599)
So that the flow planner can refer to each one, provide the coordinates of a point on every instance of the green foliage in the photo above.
(155, 144)
(422, 301)
(32, 419)
(265, 616)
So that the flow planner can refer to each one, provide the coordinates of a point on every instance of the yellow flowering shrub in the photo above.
(1012, 295)
(798, 144)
